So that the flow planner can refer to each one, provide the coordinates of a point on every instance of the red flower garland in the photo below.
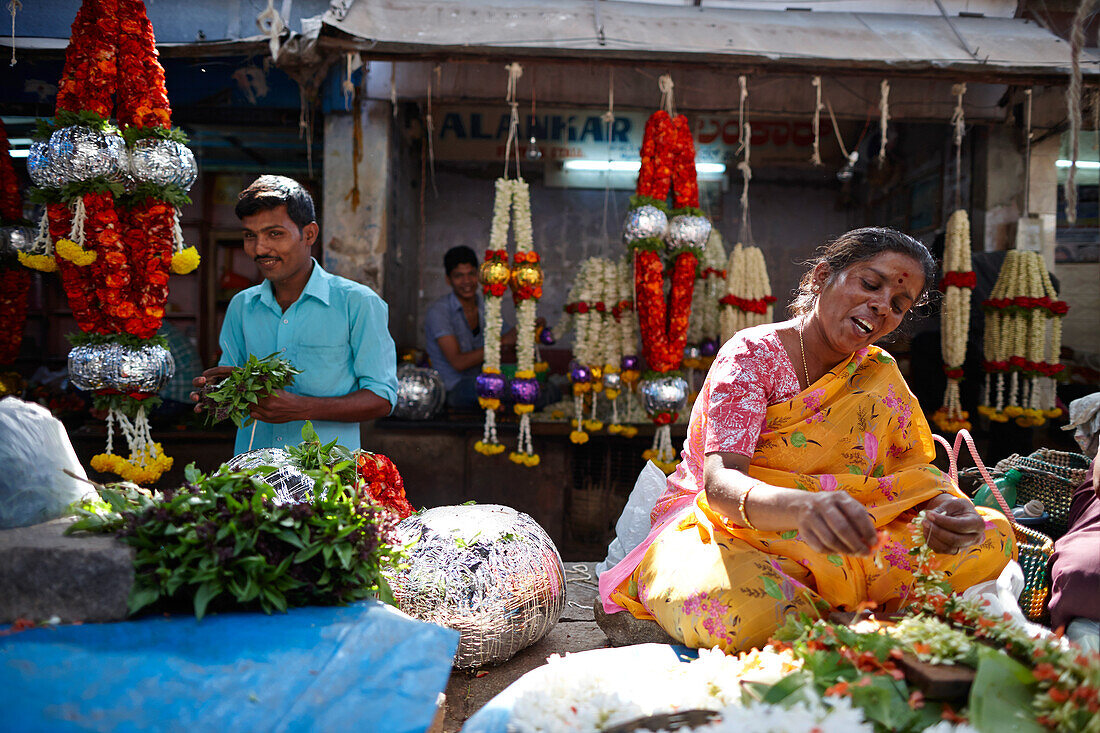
(383, 482)
(15, 282)
(960, 279)
(91, 71)
(668, 161)
(749, 305)
(11, 203)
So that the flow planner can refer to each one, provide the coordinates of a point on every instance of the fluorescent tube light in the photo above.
(631, 166)
(19, 152)
(1093, 164)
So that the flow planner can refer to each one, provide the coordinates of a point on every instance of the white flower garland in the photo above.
(747, 280)
(703, 322)
(955, 320)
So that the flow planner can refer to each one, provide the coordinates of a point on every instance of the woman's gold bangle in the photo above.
(741, 508)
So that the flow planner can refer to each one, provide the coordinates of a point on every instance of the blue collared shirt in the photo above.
(336, 333)
(446, 318)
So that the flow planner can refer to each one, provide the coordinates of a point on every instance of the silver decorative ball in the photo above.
(688, 231)
(291, 485)
(487, 571)
(420, 393)
(162, 162)
(111, 366)
(40, 166)
(16, 239)
(664, 394)
(644, 222)
(692, 352)
(81, 153)
(612, 380)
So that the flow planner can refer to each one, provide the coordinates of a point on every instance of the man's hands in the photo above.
(211, 377)
(952, 524)
(834, 522)
(278, 407)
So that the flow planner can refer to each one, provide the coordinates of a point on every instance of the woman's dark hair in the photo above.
(860, 245)
(460, 255)
(271, 192)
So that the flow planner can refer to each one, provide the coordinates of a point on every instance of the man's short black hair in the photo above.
(271, 192)
(460, 255)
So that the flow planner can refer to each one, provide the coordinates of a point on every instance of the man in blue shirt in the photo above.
(454, 330)
(332, 329)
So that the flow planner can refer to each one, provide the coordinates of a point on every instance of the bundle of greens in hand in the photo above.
(234, 396)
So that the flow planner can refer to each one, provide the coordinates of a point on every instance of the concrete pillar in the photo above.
(1043, 196)
(355, 234)
(998, 188)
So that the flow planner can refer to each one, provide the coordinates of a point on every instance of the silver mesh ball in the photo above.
(188, 170)
(420, 393)
(291, 485)
(40, 166)
(81, 153)
(111, 366)
(487, 571)
(688, 231)
(644, 222)
(664, 394)
(162, 162)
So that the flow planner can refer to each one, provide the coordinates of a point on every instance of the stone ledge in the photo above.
(44, 574)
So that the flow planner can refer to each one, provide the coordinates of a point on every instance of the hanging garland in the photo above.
(1022, 303)
(748, 300)
(15, 281)
(667, 167)
(704, 327)
(113, 245)
(958, 282)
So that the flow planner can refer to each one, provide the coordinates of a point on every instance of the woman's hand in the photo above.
(834, 522)
(952, 524)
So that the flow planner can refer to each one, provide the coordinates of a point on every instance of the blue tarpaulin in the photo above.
(365, 666)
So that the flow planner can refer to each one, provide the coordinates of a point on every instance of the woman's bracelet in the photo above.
(741, 508)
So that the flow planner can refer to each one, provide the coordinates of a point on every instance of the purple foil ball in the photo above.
(490, 386)
(580, 373)
(546, 337)
(524, 391)
(629, 363)
(709, 347)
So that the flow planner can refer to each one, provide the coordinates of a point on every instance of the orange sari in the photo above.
(710, 582)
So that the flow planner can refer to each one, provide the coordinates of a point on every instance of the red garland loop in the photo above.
(383, 482)
(749, 305)
(959, 279)
(953, 372)
(1028, 368)
(1023, 302)
(666, 418)
(139, 396)
(668, 161)
(708, 271)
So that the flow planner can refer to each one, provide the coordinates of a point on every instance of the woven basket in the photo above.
(1049, 476)
(1034, 548)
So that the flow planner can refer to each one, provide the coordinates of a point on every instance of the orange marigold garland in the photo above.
(651, 229)
(113, 243)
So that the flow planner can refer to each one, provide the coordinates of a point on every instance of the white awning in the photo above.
(995, 48)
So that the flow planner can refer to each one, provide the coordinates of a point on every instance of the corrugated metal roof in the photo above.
(1003, 47)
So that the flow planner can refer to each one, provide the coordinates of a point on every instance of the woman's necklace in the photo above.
(802, 348)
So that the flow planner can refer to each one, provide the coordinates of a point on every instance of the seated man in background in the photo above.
(454, 330)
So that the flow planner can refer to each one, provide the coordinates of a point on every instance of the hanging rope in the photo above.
(816, 157)
(744, 84)
(271, 25)
(1027, 155)
(958, 120)
(515, 71)
(346, 86)
(745, 165)
(836, 131)
(1073, 103)
(608, 120)
(664, 83)
(429, 126)
(13, 7)
(393, 89)
(884, 117)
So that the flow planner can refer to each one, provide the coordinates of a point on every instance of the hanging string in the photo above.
(816, 157)
(13, 7)
(664, 83)
(608, 119)
(958, 120)
(1027, 154)
(836, 131)
(515, 71)
(1073, 104)
(346, 86)
(393, 88)
(884, 117)
(745, 165)
(743, 83)
(429, 126)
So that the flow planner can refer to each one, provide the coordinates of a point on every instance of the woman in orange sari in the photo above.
(806, 459)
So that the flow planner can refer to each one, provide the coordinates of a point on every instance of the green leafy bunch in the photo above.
(219, 541)
(312, 455)
(234, 396)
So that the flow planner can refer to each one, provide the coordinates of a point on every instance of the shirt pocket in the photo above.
(326, 369)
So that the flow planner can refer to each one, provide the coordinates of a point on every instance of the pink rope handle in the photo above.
(953, 454)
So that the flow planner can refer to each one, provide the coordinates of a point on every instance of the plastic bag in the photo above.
(633, 525)
(34, 453)
(1000, 597)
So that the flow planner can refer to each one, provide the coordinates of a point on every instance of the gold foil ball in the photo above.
(526, 274)
(493, 273)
